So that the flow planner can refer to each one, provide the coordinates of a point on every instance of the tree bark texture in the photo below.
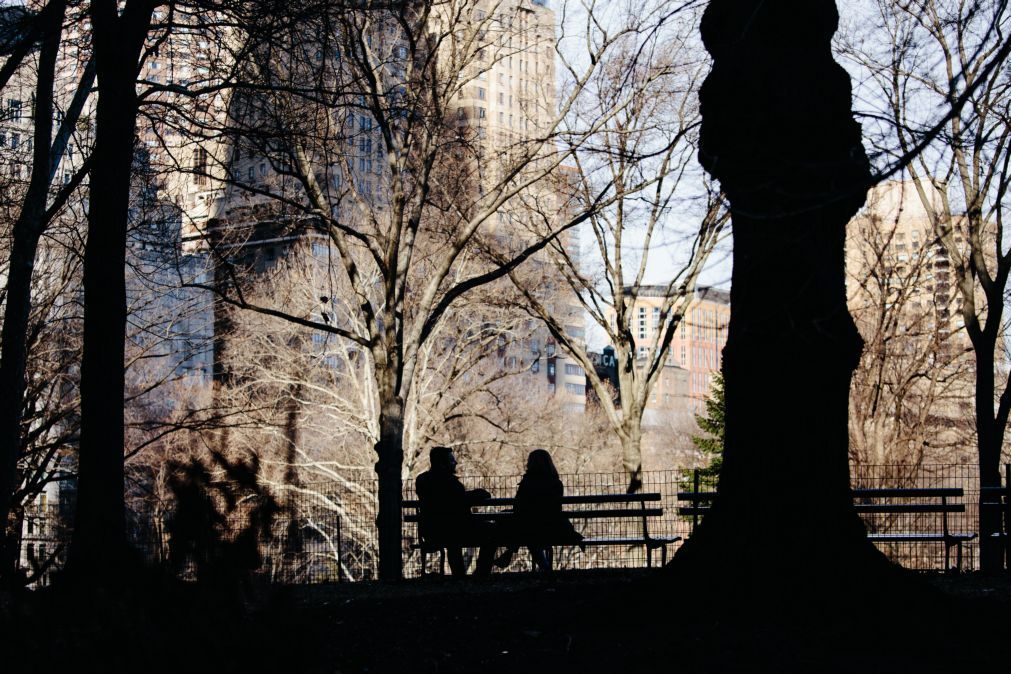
(778, 133)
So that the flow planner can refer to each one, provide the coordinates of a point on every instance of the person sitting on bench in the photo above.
(445, 515)
(539, 522)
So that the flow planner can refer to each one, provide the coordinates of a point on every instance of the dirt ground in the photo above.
(625, 621)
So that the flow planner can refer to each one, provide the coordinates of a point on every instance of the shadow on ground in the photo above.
(623, 621)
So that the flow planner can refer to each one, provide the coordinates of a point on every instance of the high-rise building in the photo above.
(911, 396)
(696, 347)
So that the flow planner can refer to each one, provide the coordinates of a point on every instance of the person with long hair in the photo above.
(538, 521)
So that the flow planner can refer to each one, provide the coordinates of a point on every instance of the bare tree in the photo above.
(31, 68)
(403, 208)
(928, 56)
(912, 392)
(646, 152)
(119, 34)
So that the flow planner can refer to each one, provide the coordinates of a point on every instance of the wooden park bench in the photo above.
(934, 500)
(635, 507)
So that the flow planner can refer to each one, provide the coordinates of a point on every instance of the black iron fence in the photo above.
(326, 532)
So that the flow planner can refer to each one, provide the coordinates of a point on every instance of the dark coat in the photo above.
(539, 520)
(445, 507)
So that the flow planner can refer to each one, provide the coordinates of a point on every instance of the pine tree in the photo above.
(713, 424)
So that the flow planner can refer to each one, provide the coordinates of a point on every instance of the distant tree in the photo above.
(33, 65)
(911, 396)
(713, 424)
(925, 56)
(647, 152)
(367, 140)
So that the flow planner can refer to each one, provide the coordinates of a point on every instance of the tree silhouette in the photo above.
(779, 135)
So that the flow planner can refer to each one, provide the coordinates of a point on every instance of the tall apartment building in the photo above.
(697, 345)
(696, 352)
(893, 254)
(911, 397)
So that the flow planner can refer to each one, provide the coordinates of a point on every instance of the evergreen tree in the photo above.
(712, 424)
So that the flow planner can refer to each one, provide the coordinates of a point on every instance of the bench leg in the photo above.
(424, 561)
(649, 556)
(958, 557)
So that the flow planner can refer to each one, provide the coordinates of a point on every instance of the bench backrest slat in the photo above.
(566, 500)
(918, 492)
(909, 508)
(932, 492)
(571, 514)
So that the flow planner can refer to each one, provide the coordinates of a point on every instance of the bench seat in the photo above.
(631, 507)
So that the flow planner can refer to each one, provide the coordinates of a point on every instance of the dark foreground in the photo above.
(611, 622)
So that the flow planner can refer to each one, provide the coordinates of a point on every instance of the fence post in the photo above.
(695, 500)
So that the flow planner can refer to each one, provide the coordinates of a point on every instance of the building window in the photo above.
(574, 370)
(199, 165)
(481, 93)
(13, 109)
(642, 322)
(535, 366)
(480, 113)
(656, 318)
(577, 389)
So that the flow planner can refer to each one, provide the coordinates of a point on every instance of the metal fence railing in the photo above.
(923, 556)
(326, 532)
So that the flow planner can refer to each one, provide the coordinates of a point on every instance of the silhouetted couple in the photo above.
(537, 521)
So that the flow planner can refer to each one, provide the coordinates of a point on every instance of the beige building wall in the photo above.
(695, 350)
(891, 249)
(911, 397)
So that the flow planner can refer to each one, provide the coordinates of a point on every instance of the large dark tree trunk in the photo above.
(779, 135)
(390, 451)
(98, 549)
(26, 233)
(989, 440)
